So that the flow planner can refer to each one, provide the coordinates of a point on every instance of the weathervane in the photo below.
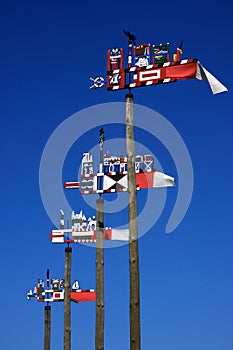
(150, 64)
(83, 230)
(54, 290)
(147, 64)
(112, 175)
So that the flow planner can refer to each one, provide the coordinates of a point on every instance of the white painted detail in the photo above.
(58, 295)
(162, 180)
(120, 235)
(95, 183)
(123, 181)
(150, 75)
(108, 182)
(76, 235)
(58, 239)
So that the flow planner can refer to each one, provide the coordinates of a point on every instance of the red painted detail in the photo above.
(115, 62)
(74, 184)
(40, 300)
(58, 235)
(142, 49)
(145, 180)
(107, 234)
(182, 71)
(82, 296)
(57, 295)
(116, 81)
(68, 241)
(148, 158)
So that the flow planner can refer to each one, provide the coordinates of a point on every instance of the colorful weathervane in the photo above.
(84, 231)
(53, 290)
(149, 64)
(112, 175)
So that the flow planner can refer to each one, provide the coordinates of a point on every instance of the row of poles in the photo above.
(133, 256)
(134, 310)
(133, 253)
(133, 243)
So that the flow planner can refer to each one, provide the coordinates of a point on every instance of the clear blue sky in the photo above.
(49, 49)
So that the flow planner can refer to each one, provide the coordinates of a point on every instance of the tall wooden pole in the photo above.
(47, 317)
(67, 319)
(133, 229)
(99, 337)
(47, 326)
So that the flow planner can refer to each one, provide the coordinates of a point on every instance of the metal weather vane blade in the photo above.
(151, 64)
(55, 291)
(83, 230)
(112, 175)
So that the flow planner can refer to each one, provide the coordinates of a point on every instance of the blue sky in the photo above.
(48, 52)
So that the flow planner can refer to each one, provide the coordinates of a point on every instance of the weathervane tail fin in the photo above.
(215, 85)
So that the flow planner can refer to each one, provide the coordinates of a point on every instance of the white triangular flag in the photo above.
(215, 85)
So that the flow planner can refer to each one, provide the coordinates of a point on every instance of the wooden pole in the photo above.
(67, 319)
(99, 337)
(133, 229)
(47, 327)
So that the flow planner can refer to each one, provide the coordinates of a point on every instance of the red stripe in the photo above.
(82, 296)
(108, 234)
(145, 180)
(72, 184)
(182, 71)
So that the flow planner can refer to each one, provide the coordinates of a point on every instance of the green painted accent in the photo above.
(87, 183)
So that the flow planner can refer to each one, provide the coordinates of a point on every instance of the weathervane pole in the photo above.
(67, 309)
(47, 318)
(133, 229)
(135, 342)
(99, 338)
(47, 326)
